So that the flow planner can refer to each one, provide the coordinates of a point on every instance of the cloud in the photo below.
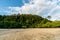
(33, 7)
(55, 13)
(38, 7)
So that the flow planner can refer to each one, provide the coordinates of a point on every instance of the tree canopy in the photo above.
(25, 21)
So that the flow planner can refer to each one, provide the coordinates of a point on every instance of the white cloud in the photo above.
(39, 7)
(34, 7)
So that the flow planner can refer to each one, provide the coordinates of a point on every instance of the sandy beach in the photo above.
(31, 34)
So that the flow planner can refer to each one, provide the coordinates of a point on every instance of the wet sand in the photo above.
(30, 34)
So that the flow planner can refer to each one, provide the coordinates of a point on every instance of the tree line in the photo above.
(26, 21)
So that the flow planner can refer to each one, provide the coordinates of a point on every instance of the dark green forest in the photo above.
(26, 21)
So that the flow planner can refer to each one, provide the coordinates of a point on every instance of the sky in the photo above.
(42, 8)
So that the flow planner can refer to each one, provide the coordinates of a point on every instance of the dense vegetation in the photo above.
(26, 21)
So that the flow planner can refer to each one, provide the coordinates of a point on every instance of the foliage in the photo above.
(26, 21)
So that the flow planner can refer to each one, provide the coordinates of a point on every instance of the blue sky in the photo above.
(13, 3)
(4, 4)
(43, 8)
